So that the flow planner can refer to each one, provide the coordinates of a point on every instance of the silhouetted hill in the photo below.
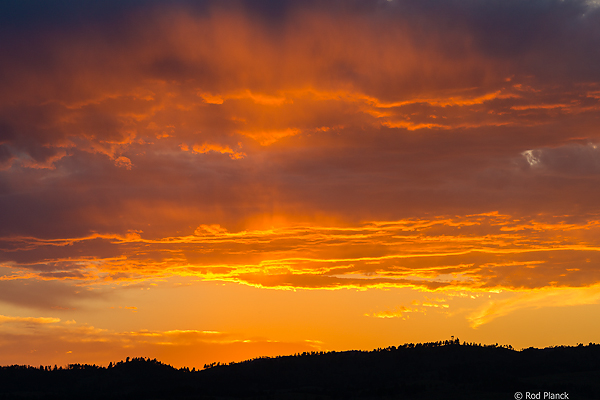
(439, 370)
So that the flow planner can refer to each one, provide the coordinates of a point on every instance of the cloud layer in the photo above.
(434, 145)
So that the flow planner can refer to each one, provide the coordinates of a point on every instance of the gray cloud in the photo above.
(576, 160)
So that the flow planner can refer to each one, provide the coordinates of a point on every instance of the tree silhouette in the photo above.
(445, 369)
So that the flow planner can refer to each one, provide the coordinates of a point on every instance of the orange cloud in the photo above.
(475, 252)
(266, 138)
(400, 312)
(30, 320)
(217, 148)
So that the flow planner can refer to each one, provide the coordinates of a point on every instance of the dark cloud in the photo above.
(44, 295)
(5, 157)
(34, 253)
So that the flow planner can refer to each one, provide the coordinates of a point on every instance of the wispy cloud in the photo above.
(79, 343)
(547, 297)
(477, 252)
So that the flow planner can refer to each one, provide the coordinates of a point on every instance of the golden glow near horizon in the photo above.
(225, 183)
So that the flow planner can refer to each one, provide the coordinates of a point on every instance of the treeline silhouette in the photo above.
(435, 370)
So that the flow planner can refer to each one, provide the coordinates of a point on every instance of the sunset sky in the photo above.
(203, 181)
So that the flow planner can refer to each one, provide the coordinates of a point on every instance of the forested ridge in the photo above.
(435, 370)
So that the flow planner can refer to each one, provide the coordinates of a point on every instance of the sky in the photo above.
(213, 181)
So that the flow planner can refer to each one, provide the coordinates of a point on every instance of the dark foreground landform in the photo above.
(438, 370)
